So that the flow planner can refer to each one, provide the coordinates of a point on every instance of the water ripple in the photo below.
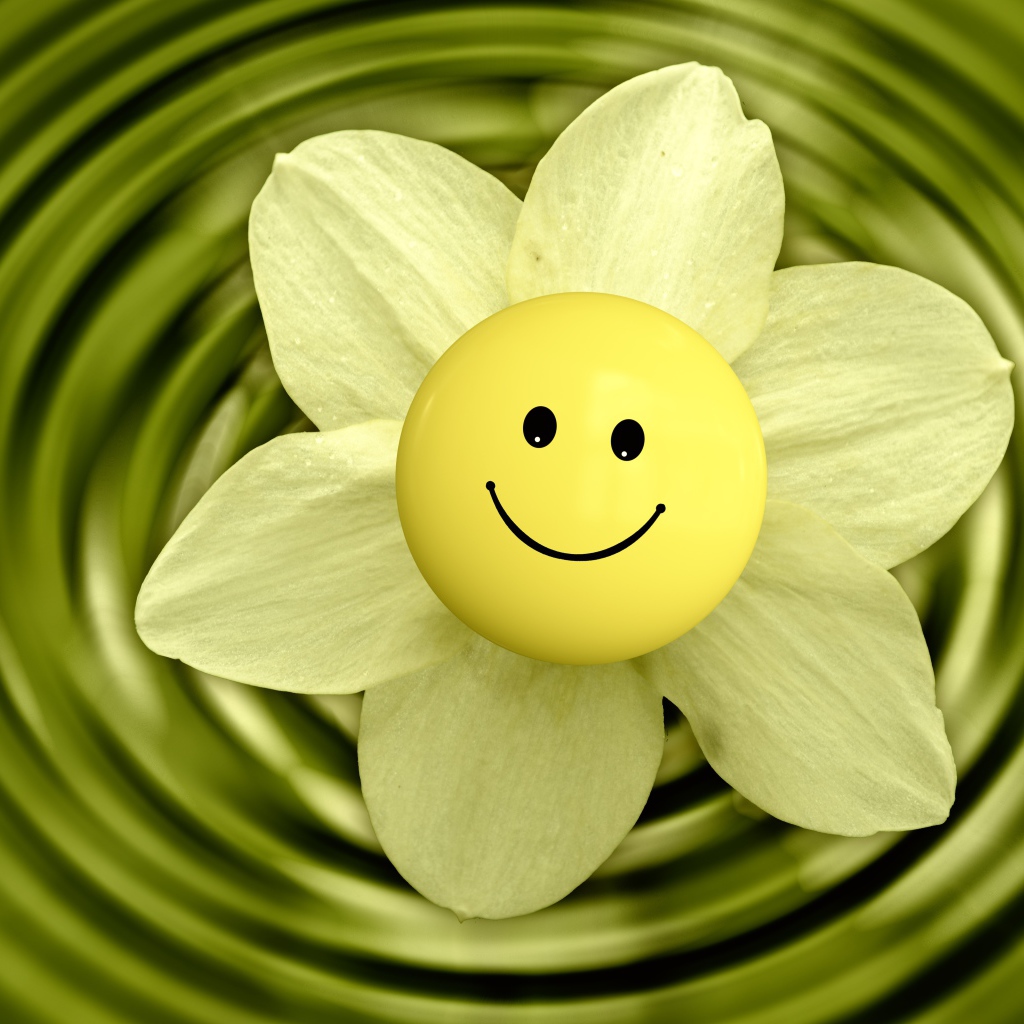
(178, 848)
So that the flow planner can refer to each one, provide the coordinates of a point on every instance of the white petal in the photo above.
(660, 191)
(884, 404)
(292, 572)
(810, 689)
(371, 254)
(497, 784)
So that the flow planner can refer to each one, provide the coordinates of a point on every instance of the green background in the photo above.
(177, 848)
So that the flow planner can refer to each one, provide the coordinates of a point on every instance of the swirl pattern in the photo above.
(178, 848)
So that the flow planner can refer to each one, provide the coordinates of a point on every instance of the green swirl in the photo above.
(176, 848)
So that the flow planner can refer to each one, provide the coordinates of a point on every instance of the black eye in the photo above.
(539, 426)
(627, 440)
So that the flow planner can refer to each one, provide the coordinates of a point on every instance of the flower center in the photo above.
(581, 478)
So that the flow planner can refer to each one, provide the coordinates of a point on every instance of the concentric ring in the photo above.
(177, 848)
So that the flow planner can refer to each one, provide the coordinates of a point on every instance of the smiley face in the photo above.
(581, 478)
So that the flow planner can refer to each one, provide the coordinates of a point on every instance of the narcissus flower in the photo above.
(498, 782)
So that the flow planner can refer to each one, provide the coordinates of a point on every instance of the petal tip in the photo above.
(142, 616)
(148, 625)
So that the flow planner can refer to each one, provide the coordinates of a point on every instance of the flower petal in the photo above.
(292, 572)
(660, 191)
(497, 784)
(884, 404)
(371, 254)
(810, 688)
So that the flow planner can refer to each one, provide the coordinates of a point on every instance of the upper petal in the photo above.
(497, 784)
(292, 572)
(884, 404)
(810, 689)
(371, 254)
(660, 191)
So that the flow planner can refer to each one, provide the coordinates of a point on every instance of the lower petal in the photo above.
(497, 784)
(810, 688)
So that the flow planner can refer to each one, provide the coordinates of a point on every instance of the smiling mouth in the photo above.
(569, 556)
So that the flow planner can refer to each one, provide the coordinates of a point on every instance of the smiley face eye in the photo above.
(627, 440)
(539, 426)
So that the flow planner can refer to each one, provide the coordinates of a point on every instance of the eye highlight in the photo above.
(627, 440)
(539, 426)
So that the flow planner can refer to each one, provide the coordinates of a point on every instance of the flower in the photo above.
(497, 783)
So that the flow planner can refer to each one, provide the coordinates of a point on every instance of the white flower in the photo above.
(496, 783)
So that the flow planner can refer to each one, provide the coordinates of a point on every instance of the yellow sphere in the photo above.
(581, 478)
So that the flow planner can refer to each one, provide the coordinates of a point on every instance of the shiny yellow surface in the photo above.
(593, 360)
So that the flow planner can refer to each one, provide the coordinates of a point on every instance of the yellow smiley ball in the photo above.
(581, 478)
